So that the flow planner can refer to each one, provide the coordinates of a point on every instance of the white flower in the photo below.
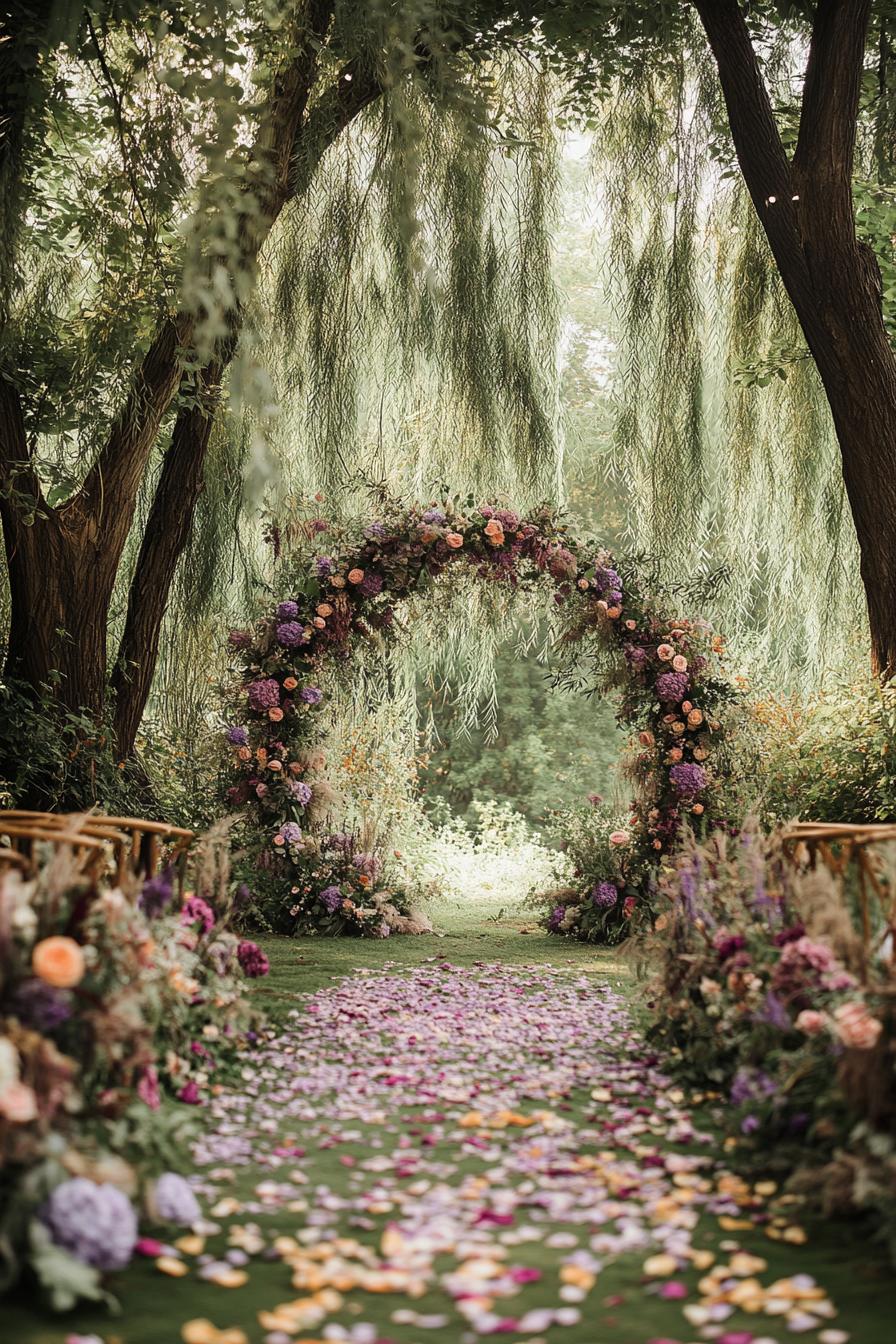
(9, 1063)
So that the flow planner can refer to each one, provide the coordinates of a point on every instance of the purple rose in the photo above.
(252, 960)
(157, 893)
(672, 687)
(311, 695)
(688, 779)
(287, 611)
(605, 895)
(291, 633)
(94, 1223)
(197, 911)
(264, 694)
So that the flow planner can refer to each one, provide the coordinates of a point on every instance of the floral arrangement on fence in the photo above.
(767, 994)
(668, 671)
(114, 1003)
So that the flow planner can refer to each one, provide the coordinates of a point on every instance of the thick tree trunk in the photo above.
(832, 279)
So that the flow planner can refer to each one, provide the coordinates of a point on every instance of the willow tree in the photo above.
(151, 154)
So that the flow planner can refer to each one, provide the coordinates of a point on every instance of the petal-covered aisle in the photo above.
(450, 1153)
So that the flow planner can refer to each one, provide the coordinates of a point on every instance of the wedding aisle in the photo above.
(445, 1152)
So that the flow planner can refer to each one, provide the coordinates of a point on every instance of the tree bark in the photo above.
(832, 279)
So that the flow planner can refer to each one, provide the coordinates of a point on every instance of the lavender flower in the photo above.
(173, 1201)
(264, 694)
(157, 893)
(311, 695)
(41, 1006)
(331, 897)
(253, 961)
(605, 895)
(672, 687)
(94, 1223)
(291, 831)
(291, 633)
(434, 516)
(287, 611)
(687, 778)
(302, 793)
(237, 736)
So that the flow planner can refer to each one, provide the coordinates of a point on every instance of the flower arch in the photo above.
(668, 673)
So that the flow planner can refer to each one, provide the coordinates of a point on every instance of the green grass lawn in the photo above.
(618, 1311)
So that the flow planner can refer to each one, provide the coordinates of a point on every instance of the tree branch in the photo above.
(823, 160)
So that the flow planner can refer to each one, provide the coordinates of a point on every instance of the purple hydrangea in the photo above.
(197, 911)
(688, 778)
(311, 695)
(672, 687)
(605, 895)
(287, 611)
(434, 516)
(508, 519)
(264, 693)
(173, 1200)
(94, 1223)
(608, 584)
(291, 633)
(331, 897)
(253, 961)
(324, 566)
(157, 893)
(635, 654)
(371, 585)
(291, 830)
(302, 793)
(41, 1006)
(367, 864)
(238, 736)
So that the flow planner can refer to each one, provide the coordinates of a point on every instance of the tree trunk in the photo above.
(833, 281)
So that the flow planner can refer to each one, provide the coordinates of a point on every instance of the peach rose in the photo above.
(495, 532)
(665, 651)
(811, 1022)
(856, 1027)
(630, 625)
(454, 540)
(18, 1103)
(700, 753)
(680, 663)
(275, 766)
(675, 754)
(619, 838)
(319, 623)
(604, 606)
(324, 609)
(58, 961)
(245, 753)
(582, 583)
(275, 714)
(356, 576)
(338, 581)
(697, 809)
(614, 613)
(289, 683)
(695, 718)
(646, 739)
(687, 706)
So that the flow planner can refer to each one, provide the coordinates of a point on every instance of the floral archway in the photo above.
(667, 672)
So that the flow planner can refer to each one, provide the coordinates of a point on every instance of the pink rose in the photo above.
(494, 530)
(454, 540)
(619, 838)
(811, 1022)
(666, 652)
(680, 663)
(18, 1103)
(856, 1027)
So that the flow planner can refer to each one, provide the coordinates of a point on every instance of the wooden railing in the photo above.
(848, 849)
(115, 846)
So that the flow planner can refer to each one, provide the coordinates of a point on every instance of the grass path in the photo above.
(465, 1136)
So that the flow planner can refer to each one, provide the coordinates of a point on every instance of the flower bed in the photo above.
(668, 672)
(766, 994)
(114, 1004)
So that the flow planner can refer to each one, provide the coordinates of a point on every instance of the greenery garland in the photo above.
(673, 694)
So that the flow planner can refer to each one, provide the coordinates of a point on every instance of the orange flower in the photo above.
(454, 540)
(58, 961)
(324, 609)
(495, 532)
(355, 575)
(289, 683)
